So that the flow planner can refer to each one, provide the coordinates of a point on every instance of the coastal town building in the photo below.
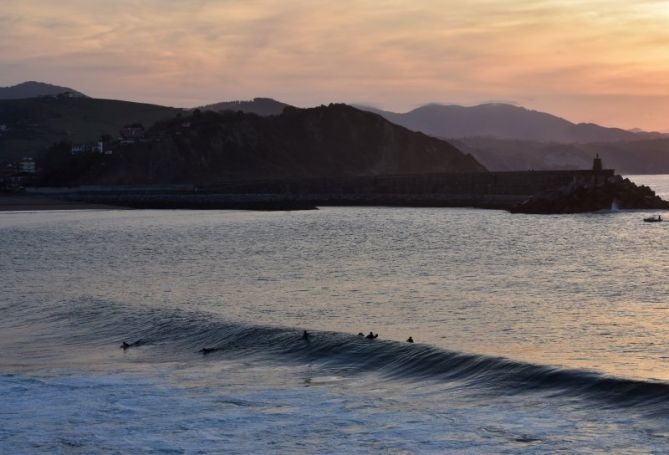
(27, 165)
(14, 175)
(99, 146)
(132, 133)
(77, 149)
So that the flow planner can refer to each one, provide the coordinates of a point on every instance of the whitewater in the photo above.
(534, 334)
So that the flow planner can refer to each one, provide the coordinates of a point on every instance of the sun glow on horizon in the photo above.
(602, 61)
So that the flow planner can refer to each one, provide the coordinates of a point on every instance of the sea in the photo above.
(533, 333)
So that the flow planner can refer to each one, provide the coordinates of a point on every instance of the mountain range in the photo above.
(505, 137)
(505, 121)
(500, 136)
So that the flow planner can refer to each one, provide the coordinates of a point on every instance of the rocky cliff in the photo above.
(327, 141)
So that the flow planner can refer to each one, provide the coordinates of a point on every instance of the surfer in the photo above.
(125, 345)
(360, 334)
(305, 336)
(410, 340)
(371, 336)
(205, 351)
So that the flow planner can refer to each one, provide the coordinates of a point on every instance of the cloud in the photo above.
(394, 53)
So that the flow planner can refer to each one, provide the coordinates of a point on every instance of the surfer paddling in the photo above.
(372, 336)
(126, 345)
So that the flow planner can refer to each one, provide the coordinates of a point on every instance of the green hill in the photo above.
(32, 125)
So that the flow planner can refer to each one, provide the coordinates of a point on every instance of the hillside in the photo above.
(260, 106)
(34, 89)
(504, 121)
(328, 141)
(34, 124)
(637, 157)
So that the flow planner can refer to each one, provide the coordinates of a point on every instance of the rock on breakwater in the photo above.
(589, 197)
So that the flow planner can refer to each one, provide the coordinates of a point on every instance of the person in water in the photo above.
(125, 345)
(410, 340)
(360, 334)
(306, 335)
(371, 336)
(205, 351)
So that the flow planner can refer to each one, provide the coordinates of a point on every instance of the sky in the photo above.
(601, 61)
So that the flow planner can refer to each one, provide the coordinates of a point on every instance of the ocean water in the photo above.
(534, 334)
(659, 183)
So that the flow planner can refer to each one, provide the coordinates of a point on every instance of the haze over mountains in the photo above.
(504, 137)
(649, 156)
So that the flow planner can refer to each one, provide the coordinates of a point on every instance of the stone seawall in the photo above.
(286, 201)
(501, 190)
(513, 185)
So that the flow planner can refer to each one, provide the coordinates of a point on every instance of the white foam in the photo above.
(215, 411)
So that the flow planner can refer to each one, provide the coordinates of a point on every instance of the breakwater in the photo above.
(456, 185)
(485, 189)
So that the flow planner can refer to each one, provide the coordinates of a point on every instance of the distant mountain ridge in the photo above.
(504, 137)
(505, 121)
(259, 106)
(32, 89)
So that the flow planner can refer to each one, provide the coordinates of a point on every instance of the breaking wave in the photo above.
(161, 333)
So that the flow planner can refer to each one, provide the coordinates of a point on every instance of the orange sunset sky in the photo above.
(600, 61)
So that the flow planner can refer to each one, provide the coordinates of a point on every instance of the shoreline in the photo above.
(258, 202)
(30, 203)
(264, 201)
(137, 200)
